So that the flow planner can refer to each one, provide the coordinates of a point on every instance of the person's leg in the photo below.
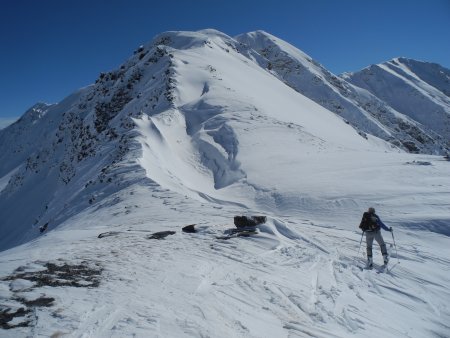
(369, 243)
(380, 241)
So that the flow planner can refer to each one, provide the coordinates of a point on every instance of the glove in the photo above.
(390, 229)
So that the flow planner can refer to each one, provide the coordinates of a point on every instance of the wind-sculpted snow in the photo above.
(195, 128)
(222, 124)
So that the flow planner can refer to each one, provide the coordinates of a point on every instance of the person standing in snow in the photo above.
(371, 225)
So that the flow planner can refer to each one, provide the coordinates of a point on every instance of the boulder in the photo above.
(249, 221)
(189, 228)
(43, 227)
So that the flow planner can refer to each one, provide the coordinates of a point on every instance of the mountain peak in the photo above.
(37, 111)
(258, 34)
(260, 39)
(410, 61)
(419, 90)
(188, 39)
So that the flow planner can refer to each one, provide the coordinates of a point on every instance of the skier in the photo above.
(371, 225)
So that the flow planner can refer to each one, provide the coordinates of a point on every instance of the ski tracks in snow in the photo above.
(329, 291)
(289, 280)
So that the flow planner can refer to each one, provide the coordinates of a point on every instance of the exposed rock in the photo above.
(249, 221)
(189, 228)
(108, 234)
(7, 316)
(53, 275)
(419, 163)
(160, 234)
(43, 227)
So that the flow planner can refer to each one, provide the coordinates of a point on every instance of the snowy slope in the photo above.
(417, 89)
(224, 119)
(22, 138)
(191, 129)
(198, 92)
(298, 277)
(358, 106)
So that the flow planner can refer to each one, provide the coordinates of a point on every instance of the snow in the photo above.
(296, 276)
(5, 179)
(367, 110)
(234, 140)
(407, 86)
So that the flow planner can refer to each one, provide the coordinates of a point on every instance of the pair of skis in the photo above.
(379, 268)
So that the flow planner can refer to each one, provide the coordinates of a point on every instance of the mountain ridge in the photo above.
(363, 109)
(85, 142)
(195, 129)
(410, 89)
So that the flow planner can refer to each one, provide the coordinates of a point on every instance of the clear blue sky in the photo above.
(50, 48)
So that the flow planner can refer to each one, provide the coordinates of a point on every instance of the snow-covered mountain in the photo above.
(420, 90)
(362, 107)
(169, 110)
(197, 127)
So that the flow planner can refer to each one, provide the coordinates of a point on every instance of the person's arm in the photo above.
(381, 224)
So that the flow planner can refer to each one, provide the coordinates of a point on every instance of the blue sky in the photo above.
(50, 48)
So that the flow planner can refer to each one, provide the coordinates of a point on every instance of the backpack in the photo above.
(368, 222)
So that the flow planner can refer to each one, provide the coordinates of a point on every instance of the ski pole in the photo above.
(360, 242)
(395, 246)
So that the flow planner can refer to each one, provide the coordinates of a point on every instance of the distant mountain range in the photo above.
(194, 111)
(403, 101)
